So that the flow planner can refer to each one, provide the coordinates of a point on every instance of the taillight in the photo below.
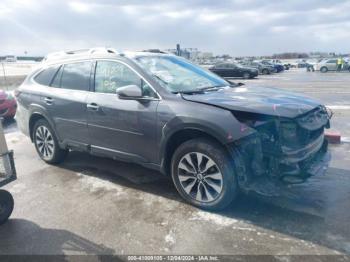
(17, 93)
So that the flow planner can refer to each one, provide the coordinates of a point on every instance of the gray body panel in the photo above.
(123, 127)
(268, 101)
(68, 111)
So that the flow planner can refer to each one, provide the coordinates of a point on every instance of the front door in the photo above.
(117, 127)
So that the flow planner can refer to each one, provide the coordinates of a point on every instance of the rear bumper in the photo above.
(22, 119)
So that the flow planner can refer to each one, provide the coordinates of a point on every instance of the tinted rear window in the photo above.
(76, 76)
(45, 76)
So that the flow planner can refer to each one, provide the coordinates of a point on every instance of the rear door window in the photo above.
(45, 77)
(76, 76)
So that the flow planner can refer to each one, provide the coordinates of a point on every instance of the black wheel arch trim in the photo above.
(169, 131)
(35, 109)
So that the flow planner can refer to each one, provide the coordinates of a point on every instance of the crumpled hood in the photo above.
(262, 100)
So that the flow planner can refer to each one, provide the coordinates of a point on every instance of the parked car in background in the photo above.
(212, 137)
(302, 64)
(330, 65)
(287, 66)
(277, 61)
(311, 65)
(263, 69)
(278, 67)
(8, 105)
(234, 70)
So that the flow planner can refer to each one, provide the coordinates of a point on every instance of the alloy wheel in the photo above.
(200, 177)
(44, 142)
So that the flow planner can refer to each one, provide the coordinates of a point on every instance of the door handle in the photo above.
(48, 100)
(92, 106)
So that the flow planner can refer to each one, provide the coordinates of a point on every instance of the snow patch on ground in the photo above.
(250, 229)
(170, 238)
(17, 188)
(95, 184)
(214, 218)
(14, 140)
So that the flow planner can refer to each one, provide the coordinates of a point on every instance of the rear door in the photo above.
(66, 102)
(121, 128)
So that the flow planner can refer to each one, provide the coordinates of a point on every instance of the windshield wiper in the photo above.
(201, 90)
(159, 78)
(211, 88)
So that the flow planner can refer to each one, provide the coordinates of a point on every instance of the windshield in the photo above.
(178, 75)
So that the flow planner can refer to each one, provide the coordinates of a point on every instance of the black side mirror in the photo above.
(129, 92)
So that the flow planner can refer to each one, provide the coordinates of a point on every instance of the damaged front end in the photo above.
(281, 151)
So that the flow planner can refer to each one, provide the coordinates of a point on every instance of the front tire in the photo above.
(324, 69)
(203, 174)
(6, 205)
(246, 75)
(46, 143)
(265, 72)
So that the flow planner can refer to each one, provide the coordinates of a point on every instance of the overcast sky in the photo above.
(236, 27)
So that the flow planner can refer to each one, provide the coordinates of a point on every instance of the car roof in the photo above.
(93, 53)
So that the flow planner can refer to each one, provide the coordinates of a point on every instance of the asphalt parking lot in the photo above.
(91, 205)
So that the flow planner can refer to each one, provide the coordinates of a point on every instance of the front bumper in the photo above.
(292, 166)
(316, 163)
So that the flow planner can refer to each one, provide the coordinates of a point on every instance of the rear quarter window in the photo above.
(45, 76)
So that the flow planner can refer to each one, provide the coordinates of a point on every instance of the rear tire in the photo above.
(6, 205)
(46, 143)
(203, 174)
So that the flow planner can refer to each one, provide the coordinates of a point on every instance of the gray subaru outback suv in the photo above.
(213, 137)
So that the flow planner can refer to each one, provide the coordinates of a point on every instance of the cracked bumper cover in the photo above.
(309, 161)
(290, 166)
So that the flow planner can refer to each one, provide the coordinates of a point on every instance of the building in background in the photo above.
(190, 53)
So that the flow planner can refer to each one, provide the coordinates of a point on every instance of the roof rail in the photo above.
(71, 53)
